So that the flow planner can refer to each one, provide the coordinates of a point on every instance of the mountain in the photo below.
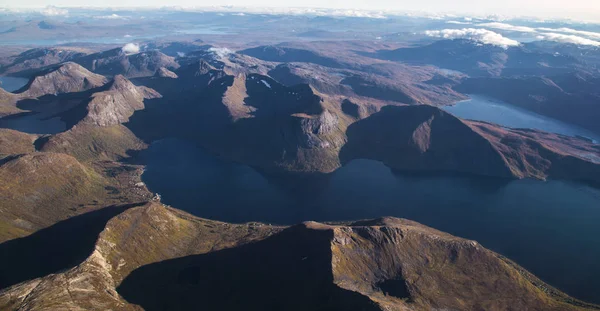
(117, 103)
(483, 59)
(96, 131)
(425, 138)
(154, 257)
(63, 78)
(287, 55)
(43, 188)
(175, 48)
(117, 62)
(25, 63)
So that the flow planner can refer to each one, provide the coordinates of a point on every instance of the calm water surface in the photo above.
(12, 84)
(33, 123)
(551, 228)
(491, 110)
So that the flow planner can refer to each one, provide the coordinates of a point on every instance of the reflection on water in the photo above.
(544, 226)
(482, 108)
(12, 84)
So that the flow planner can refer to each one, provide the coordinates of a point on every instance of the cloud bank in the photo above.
(562, 38)
(478, 35)
(562, 35)
(131, 48)
(588, 34)
(507, 27)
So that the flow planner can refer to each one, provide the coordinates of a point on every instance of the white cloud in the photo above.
(458, 23)
(507, 27)
(131, 48)
(220, 52)
(589, 34)
(562, 38)
(478, 35)
(54, 11)
(112, 16)
(238, 14)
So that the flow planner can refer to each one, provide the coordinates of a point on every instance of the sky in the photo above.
(576, 9)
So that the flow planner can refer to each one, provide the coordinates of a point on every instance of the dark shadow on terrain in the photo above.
(288, 271)
(50, 250)
(396, 288)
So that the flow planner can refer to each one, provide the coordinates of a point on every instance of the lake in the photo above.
(12, 84)
(33, 123)
(483, 108)
(551, 228)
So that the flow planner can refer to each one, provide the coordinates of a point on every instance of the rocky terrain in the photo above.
(27, 62)
(64, 78)
(119, 62)
(155, 257)
(76, 196)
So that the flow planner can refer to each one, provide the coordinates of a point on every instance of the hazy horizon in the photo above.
(584, 10)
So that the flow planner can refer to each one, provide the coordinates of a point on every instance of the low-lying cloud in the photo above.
(478, 35)
(507, 27)
(131, 48)
(112, 16)
(562, 35)
(220, 52)
(54, 11)
(563, 38)
(589, 34)
(458, 23)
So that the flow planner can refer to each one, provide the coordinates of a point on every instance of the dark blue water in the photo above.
(495, 111)
(551, 228)
(12, 84)
(33, 123)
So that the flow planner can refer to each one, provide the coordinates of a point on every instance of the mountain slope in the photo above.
(117, 62)
(160, 258)
(426, 139)
(64, 78)
(26, 62)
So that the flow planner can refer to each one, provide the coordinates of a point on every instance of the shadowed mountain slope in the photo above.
(425, 138)
(156, 258)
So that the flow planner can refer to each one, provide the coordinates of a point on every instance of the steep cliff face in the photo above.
(117, 103)
(154, 258)
(64, 78)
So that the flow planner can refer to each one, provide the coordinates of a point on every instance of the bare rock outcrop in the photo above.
(116, 104)
(64, 78)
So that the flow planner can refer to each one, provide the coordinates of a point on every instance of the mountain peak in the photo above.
(63, 78)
